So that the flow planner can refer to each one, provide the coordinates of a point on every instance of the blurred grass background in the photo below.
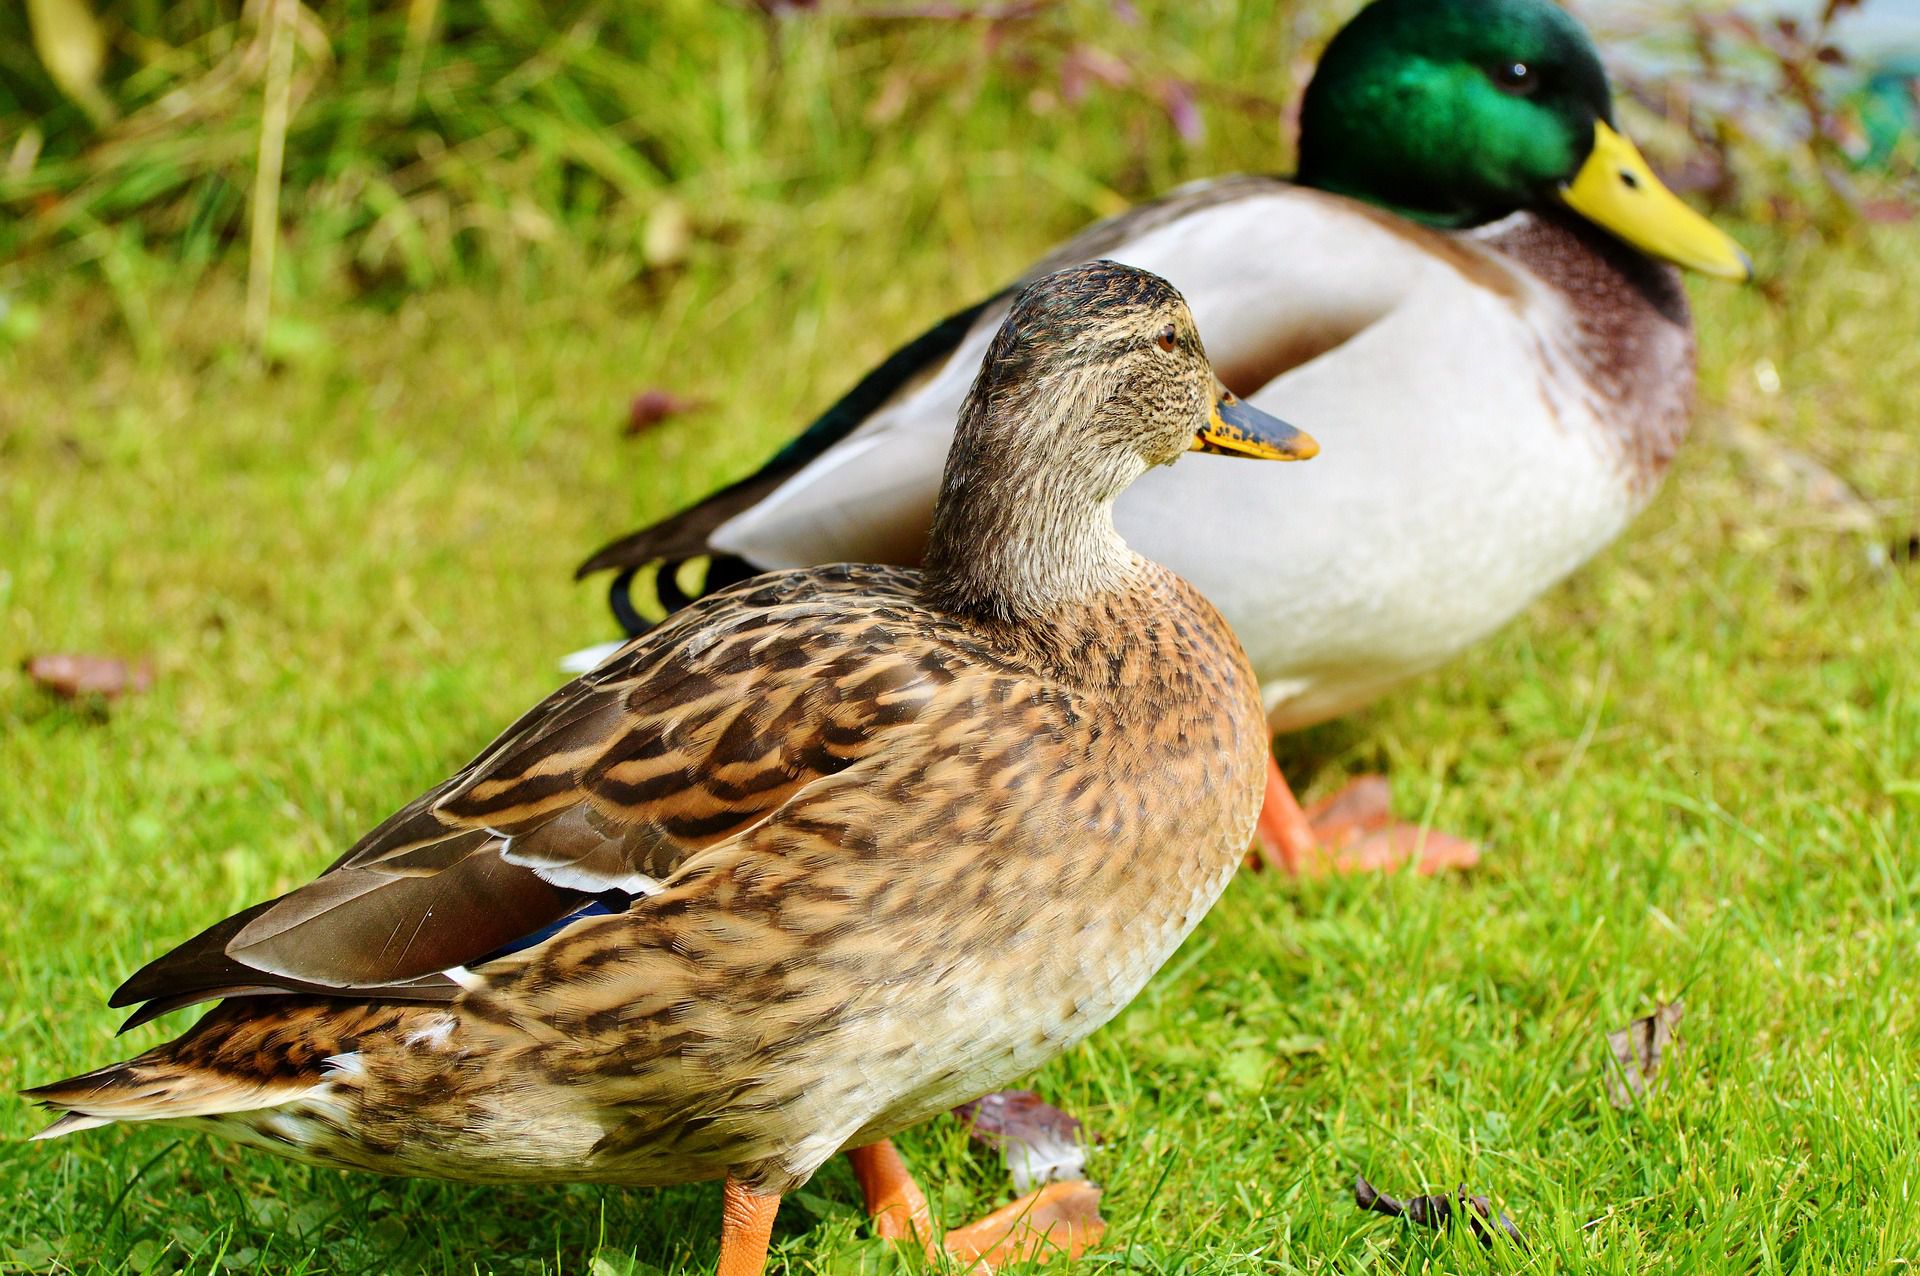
(336, 500)
(433, 141)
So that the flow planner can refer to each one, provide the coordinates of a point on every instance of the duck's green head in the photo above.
(1457, 112)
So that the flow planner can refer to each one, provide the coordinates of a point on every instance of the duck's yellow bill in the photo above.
(1237, 428)
(1616, 190)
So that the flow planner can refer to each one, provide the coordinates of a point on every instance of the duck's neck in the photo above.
(1627, 335)
(1020, 536)
(1436, 219)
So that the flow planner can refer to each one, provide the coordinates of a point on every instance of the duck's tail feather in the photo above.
(685, 536)
(244, 1055)
(661, 589)
(154, 1088)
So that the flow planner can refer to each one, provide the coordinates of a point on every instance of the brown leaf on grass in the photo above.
(652, 406)
(72, 676)
(1638, 1049)
(1037, 1141)
(1439, 1211)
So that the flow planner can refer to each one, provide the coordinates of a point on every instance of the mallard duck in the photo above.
(1463, 287)
(828, 853)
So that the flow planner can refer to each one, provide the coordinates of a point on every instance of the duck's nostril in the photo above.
(1633, 183)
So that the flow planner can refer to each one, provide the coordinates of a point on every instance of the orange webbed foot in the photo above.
(1351, 832)
(1060, 1216)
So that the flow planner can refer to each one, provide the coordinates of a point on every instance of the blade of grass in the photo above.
(277, 16)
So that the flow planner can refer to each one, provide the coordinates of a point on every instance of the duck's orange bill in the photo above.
(1237, 428)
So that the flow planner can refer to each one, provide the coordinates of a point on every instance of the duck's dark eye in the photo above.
(1167, 338)
(1516, 78)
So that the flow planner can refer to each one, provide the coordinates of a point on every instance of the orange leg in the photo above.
(1351, 832)
(746, 1223)
(895, 1202)
(1059, 1216)
(1284, 839)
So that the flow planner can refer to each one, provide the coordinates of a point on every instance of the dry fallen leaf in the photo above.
(1038, 1141)
(1637, 1049)
(650, 407)
(73, 676)
(1439, 1211)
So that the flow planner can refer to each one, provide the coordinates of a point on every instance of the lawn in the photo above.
(1696, 766)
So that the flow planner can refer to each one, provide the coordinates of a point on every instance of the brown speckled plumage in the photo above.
(893, 839)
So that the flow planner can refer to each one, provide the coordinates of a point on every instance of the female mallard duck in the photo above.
(1460, 283)
(825, 855)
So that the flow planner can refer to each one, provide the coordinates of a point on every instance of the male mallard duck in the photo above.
(825, 855)
(1461, 283)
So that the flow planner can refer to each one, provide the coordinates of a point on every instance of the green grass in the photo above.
(514, 134)
(1697, 765)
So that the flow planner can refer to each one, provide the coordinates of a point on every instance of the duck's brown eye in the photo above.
(1167, 338)
(1516, 78)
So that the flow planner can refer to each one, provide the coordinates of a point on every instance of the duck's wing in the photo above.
(883, 518)
(695, 734)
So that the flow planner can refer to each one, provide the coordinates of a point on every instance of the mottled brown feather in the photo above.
(623, 773)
